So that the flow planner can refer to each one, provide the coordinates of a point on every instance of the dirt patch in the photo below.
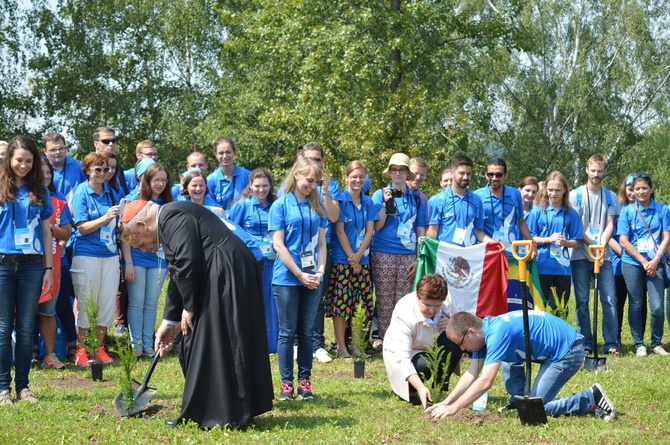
(79, 382)
(477, 418)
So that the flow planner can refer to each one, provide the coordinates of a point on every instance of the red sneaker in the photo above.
(102, 356)
(80, 358)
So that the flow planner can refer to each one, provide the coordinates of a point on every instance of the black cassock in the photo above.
(225, 357)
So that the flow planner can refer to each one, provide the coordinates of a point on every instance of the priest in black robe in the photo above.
(215, 298)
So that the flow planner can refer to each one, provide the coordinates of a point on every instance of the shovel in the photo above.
(531, 409)
(142, 393)
(597, 252)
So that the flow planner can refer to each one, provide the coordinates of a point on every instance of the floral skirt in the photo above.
(346, 289)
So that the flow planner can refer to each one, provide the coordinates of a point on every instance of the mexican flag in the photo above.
(477, 275)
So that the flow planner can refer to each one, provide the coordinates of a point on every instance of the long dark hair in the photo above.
(259, 173)
(145, 184)
(114, 180)
(51, 186)
(34, 178)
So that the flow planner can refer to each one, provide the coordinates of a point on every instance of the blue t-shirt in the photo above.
(501, 215)
(252, 216)
(616, 259)
(450, 212)
(249, 240)
(550, 338)
(130, 178)
(398, 236)
(657, 217)
(224, 191)
(68, 179)
(146, 259)
(335, 195)
(300, 224)
(63, 216)
(22, 219)
(88, 205)
(553, 259)
(354, 219)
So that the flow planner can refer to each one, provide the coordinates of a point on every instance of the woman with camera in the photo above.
(394, 244)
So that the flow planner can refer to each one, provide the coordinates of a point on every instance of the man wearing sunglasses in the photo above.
(456, 214)
(597, 208)
(104, 141)
(67, 171)
(145, 149)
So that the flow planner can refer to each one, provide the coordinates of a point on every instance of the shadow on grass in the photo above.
(305, 422)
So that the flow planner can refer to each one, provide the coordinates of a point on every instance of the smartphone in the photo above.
(122, 206)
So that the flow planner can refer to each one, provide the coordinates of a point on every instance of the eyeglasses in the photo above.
(101, 169)
(108, 141)
(460, 345)
(318, 160)
(56, 150)
(636, 176)
(159, 181)
(495, 174)
(151, 154)
(398, 170)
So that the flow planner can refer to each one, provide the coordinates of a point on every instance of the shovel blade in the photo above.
(140, 400)
(595, 364)
(531, 410)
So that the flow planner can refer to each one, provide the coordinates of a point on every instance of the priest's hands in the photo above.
(186, 321)
(165, 338)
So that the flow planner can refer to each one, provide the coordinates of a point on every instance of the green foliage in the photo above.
(360, 328)
(124, 349)
(437, 361)
(561, 309)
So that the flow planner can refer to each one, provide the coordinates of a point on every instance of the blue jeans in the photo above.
(142, 303)
(21, 285)
(319, 337)
(636, 277)
(582, 271)
(551, 377)
(296, 308)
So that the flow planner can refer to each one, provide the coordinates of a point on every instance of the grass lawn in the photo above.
(74, 409)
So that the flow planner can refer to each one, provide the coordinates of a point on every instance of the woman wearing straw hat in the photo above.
(394, 247)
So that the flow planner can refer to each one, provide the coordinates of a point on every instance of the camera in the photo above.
(391, 208)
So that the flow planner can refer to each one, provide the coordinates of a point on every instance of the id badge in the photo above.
(307, 260)
(404, 230)
(159, 253)
(594, 235)
(266, 248)
(643, 244)
(498, 236)
(105, 235)
(459, 236)
(359, 241)
(21, 239)
(555, 250)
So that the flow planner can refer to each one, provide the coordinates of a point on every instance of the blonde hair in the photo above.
(353, 165)
(306, 166)
(144, 144)
(556, 176)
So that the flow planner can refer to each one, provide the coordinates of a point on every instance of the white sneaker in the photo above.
(322, 356)
(660, 351)
(641, 351)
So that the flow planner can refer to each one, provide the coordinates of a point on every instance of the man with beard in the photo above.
(216, 300)
(597, 208)
(503, 207)
(456, 215)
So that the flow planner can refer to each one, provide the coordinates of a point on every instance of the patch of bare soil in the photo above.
(477, 418)
(75, 382)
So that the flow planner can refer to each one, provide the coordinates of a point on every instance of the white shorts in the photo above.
(96, 278)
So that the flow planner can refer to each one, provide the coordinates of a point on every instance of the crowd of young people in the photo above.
(322, 249)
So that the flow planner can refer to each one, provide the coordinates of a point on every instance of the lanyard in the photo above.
(260, 221)
(14, 215)
(549, 224)
(493, 213)
(640, 214)
(404, 201)
(95, 203)
(362, 215)
(600, 208)
(467, 210)
(61, 188)
(302, 222)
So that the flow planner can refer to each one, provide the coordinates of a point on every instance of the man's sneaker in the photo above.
(286, 391)
(6, 397)
(51, 361)
(660, 351)
(305, 390)
(102, 356)
(511, 406)
(377, 344)
(80, 358)
(120, 329)
(322, 356)
(26, 395)
(641, 351)
(604, 409)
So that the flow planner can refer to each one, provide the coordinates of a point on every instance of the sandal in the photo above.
(613, 351)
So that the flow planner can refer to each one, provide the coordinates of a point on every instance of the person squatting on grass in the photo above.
(496, 342)
(26, 266)
(418, 324)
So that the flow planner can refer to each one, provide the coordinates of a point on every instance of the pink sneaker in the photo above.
(51, 361)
